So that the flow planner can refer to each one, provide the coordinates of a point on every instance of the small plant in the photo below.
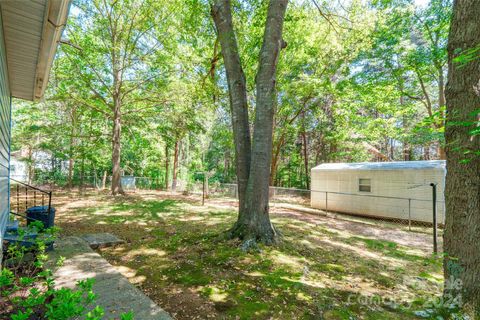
(28, 289)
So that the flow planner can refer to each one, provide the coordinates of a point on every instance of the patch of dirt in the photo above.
(414, 240)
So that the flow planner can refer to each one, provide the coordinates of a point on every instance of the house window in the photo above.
(364, 185)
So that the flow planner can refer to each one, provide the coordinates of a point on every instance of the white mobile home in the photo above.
(394, 190)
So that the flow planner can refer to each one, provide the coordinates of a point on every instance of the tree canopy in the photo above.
(136, 80)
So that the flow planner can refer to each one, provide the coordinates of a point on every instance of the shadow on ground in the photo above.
(319, 270)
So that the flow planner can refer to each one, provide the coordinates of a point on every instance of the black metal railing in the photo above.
(24, 196)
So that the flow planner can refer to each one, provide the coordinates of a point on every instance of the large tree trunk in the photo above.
(175, 167)
(462, 192)
(253, 174)
(258, 226)
(116, 151)
(237, 89)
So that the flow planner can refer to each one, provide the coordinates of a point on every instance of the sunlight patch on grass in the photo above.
(131, 274)
(362, 252)
(174, 253)
(215, 294)
(145, 252)
(287, 260)
(256, 274)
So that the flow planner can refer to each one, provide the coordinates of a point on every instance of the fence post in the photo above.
(409, 214)
(18, 198)
(326, 202)
(49, 201)
(434, 200)
(203, 189)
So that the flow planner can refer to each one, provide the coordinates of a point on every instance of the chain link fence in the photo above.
(406, 211)
(288, 195)
(414, 213)
(411, 212)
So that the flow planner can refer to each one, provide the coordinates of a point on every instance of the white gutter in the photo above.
(55, 21)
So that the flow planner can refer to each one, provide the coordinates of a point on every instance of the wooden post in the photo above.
(203, 192)
(434, 203)
(409, 214)
(326, 202)
(18, 198)
(49, 201)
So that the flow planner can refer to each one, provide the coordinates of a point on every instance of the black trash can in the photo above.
(40, 213)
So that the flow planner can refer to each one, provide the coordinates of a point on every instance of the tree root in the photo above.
(251, 237)
(249, 246)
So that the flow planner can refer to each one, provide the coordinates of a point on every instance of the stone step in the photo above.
(101, 240)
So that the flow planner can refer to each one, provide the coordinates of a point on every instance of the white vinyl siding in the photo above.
(391, 186)
(5, 114)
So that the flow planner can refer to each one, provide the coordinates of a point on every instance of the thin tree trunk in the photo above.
(237, 89)
(273, 169)
(441, 152)
(462, 189)
(175, 167)
(167, 167)
(275, 158)
(405, 144)
(116, 151)
(81, 186)
(426, 152)
(441, 90)
(31, 166)
(70, 173)
(305, 156)
(71, 160)
(441, 104)
(104, 179)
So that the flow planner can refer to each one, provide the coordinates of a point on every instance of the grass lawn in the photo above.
(323, 269)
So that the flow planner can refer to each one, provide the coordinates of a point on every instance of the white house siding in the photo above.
(18, 170)
(389, 181)
(5, 115)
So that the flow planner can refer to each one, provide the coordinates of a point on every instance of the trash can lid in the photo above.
(37, 209)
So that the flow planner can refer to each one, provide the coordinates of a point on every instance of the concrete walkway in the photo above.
(115, 294)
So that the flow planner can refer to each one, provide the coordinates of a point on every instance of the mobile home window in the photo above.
(364, 185)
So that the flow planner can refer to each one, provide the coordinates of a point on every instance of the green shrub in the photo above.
(29, 289)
